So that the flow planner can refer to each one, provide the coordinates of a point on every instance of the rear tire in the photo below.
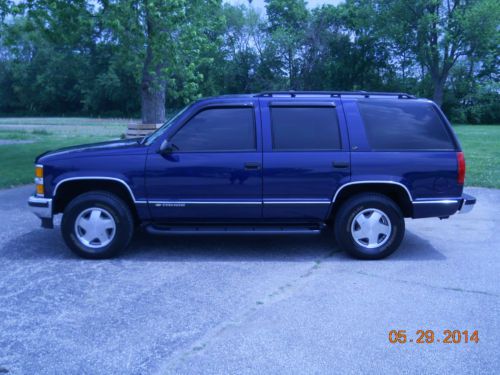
(97, 225)
(369, 226)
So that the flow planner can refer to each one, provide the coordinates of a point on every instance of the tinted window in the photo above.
(218, 129)
(404, 125)
(305, 128)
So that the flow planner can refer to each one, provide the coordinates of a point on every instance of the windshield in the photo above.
(152, 137)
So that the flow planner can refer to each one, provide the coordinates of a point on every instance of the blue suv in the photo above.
(274, 162)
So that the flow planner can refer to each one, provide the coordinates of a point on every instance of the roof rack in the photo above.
(335, 94)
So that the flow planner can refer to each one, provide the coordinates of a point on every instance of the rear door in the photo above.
(306, 157)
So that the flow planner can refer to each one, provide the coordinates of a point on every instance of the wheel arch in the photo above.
(396, 191)
(69, 188)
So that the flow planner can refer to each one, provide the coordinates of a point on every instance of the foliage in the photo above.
(167, 41)
(439, 32)
(287, 25)
(112, 57)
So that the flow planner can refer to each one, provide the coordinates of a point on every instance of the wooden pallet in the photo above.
(141, 130)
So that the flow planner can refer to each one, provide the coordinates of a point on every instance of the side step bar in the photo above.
(236, 229)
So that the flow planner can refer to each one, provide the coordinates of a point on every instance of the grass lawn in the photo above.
(481, 144)
(16, 160)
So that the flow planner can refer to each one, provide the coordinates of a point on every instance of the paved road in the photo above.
(290, 305)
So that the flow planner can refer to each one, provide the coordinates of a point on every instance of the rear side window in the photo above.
(305, 128)
(404, 125)
(218, 129)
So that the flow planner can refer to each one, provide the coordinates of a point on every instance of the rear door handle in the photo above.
(252, 166)
(340, 164)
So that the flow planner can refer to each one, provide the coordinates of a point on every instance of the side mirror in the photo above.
(165, 148)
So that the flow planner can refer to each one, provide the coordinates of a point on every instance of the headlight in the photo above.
(39, 180)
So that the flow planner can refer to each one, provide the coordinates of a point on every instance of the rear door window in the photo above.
(305, 128)
(404, 125)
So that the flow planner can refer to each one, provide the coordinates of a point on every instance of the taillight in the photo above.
(461, 168)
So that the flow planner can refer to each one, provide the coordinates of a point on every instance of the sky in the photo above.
(260, 3)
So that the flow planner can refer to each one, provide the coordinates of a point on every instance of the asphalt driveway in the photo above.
(237, 305)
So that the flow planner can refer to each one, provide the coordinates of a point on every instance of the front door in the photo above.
(214, 171)
(306, 157)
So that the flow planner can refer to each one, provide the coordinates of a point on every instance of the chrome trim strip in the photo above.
(372, 182)
(297, 202)
(179, 202)
(94, 178)
(202, 202)
(41, 207)
(437, 201)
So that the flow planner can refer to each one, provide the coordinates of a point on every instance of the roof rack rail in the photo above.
(337, 94)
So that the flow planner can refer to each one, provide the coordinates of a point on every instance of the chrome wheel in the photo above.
(371, 228)
(95, 227)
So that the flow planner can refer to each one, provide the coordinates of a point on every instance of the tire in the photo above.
(101, 215)
(369, 226)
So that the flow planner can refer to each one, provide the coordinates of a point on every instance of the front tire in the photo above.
(97, 225)
(369, 226)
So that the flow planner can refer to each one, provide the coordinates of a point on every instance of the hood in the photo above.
(101, 148)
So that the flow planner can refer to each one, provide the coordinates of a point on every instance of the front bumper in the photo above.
(467, 204)
(42, 207)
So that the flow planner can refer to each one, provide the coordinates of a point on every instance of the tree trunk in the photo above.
(152, 100)
(153, 85)
(438, 93)
(153, 92)
(438, 83)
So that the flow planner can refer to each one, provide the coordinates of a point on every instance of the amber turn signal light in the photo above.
(39, 189)
(39, 171)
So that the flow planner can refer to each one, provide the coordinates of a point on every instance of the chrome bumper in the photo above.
(468, 202)
(41, 207)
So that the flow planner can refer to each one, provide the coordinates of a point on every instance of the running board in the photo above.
(236, 229)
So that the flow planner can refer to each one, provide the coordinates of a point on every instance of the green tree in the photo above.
(49, 44)
(112, 57)
(166, 38)
(241, 55)
(288, 21)
(328, 51)
(440, 32)
(4, 9)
